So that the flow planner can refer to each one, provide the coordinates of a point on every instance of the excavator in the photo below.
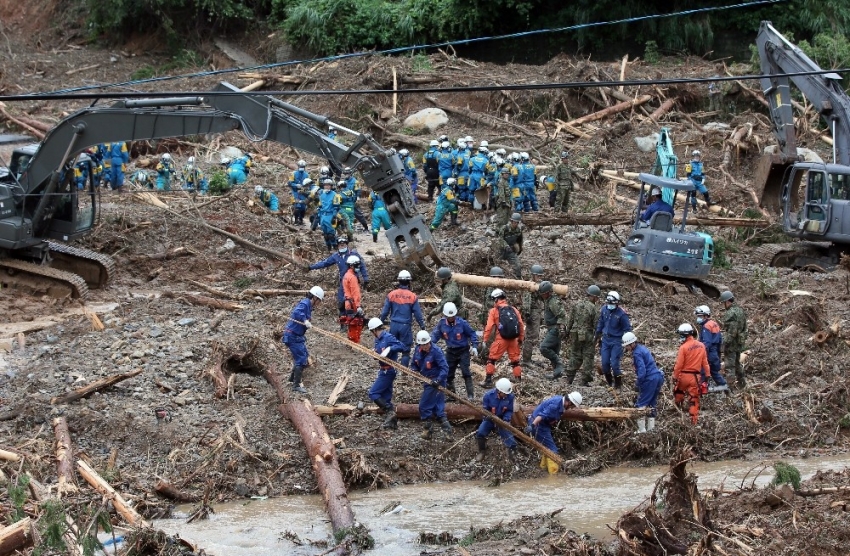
(657, 252)
(41, 210)
(812, 198)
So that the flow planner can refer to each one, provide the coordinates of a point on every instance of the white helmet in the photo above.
(191, 160)
(575, 397)
(258, 189)
(445, 144)
(352, 260)
(501, 152)
(404, 275)
(374, 323)
(451, 181)
(612, 297)
(655, 191)
(497, 293)
(307, 182)
(166, 156)
(225, 160)
(696, 153)
(685, 329)
(468, 139)
(317, 292)
(504, 386)
(422, 338)
(703, 310)
(324, 170)
(524, 155)
(404, 152)
(629, 338)
(302, 163)
(434, 143)
(482, 149)
(461, 143)
(484, 144)
(450, 309)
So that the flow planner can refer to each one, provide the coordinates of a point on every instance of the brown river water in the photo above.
(253, 527)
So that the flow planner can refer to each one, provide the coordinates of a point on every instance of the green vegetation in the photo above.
(786, 474)
(17, 492)
(844, 422)
(650, 53)
(218, 183)
(243, 283)
(722, 248)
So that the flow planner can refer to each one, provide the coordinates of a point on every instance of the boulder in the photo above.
(428, 118)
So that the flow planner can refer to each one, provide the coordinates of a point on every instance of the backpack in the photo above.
(508, 323)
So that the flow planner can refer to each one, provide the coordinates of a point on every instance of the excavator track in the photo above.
(41, 280)
(805, 256)
(613, 276)
(95, 268)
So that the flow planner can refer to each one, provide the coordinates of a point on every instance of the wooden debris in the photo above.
(665, 107)
(16, 537)
(84, 68)
(165, 489)
(95, 386)
(204, 301)
(121, 506)
(165, 255)
(6, 455)
(504, 283)
(64, 458)
(339, 388)
(457, 411)
(617, 108)
(480, 117)
(20, 123)
(822, 490)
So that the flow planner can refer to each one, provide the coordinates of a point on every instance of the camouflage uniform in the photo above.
(580, 329)
(508, 246)
(488, 304)
(450, 292)
(554, 319)
(734, 338)
(564, 178)
(532, 311)
(503, 201)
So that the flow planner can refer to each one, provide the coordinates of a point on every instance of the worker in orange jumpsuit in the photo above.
(691, 370)
(504, 332)
(353, 315)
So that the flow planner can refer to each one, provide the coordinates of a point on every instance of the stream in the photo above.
(253, 527)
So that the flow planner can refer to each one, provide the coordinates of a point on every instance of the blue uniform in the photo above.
(82, 170)
(339, 259)
(712, 338)
(299, 205)
(695, 175)
(462, 174)
(433, 366)
(658, 206)
(528, 186)
(193, 179)
(445, 164)
(551, 410)
(118, 156)
(649, 378)
(380, 216)
(613, 323)
(237, 171)
(293, 334)
(270, 200)
(501, 409)
(446, 204)
(410, 173)
(382, 388)
(297, 179)
(402, 306)
(479, 165)
(163, 175)
(459, 337)
(329, 205)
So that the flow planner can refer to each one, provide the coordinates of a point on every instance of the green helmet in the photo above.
(496, 272)
(444, 273)
(727, 296)
(594, 291)
(537, 269)
(545, 287)
(516, 217)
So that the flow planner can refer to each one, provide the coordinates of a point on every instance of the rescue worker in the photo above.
(409, 170)
(613, 323)
(238, 169)
(712, 338)
(649, 381)
(694, 173)
(96, 154)
(488, 303)
(500, 403)
(508, 243)
(429, 361)
(352, 184)
(461, 171)
(268, 199)
(353, 317)
(380, 216)
(502, 197)
(559, 199)
(532, 312)
(690, 371)
(714, 94)
(656, 204)
(118, 156)
(734, 336)
(446, 204)
(296, 180)
(431, 167)
(299, 201)
(528, 184)
(545, 416)
(554, 319)
(402, 306)
(331, 133)
(143, 179)
(329, 205)
(164, 171)
(293, 335)
(449, 292)
(346, 209)
(479, 166)
(581, 329)
(82, 171)
(324, 174)
(193, 178)
(340, 259)
(503, 333)
(445, 162)
(381, 391)
(461, 341)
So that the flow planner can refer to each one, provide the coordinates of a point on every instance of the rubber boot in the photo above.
(544, 462)
(641, 425)
(609, 378)
(374, 238)
(296, 380)
(451, 386)
(512, 454)
(618, 383)
(446, 426)
(292, 374)
(552, 466)
(488, 382)
(707, 199)
(482, 447)
(470, 390)
(650, 424)
(454, 219)
(429, 429)
(557, 372)
(391, 422)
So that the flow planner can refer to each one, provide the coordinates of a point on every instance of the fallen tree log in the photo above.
(16, 537)
(105, 489)
(64, 458)
(627, 179)
(166, 490)
(95, 386)
(6, 455)
(204, 301)
(617, 108)
(457, 411)
(504, 283)
(21, 124)
(624, 218)
(822, 490)
(480, 117)
(665, 107)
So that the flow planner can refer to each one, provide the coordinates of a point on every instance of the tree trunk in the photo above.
(569, 219)
(121, 506)
(665, 107)
(16, 537)
(167, 490)
(504, 283)
(204, 301)
(64, 457)
(457, 411)
(621, 107)
(95, 386)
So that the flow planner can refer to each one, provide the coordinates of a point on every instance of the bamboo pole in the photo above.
(121, 506)
(504, 283)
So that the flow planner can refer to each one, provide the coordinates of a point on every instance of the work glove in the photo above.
(473, 351)
(365, 285)
(435, 384)
(360, 311)
(308, 325)
(386, 352)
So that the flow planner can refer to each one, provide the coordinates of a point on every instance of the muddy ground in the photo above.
(171, 340)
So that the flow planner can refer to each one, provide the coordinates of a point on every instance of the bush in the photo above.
(786, 474)
(218, 183)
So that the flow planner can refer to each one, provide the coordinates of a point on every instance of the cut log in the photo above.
(822, 490)
(617, 108)
(504, 283)
(166, 490)
(272, 293)
(481, 118)
(339, 388)
(165, 255)
(665, 107)
(16, 537)
(215, 291)
(6, 455)
(204, 301)
(64, 458)
(457, 411)
(95, 386)
(105, 489)
(16, 121)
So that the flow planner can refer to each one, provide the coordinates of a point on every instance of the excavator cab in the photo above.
(816, 202)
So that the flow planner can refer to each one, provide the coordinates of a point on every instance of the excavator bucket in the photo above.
(769, 181)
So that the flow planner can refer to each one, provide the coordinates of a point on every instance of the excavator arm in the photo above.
(259, 118)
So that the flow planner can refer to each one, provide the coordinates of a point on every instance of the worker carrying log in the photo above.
(649, 380)
(429, 361)
(545, 416)
(500, 402)
(381, 392)
(293, 335)
(460, 341)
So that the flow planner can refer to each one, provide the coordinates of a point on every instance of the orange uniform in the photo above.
(689, 372)
(351, 295)
(501, 345)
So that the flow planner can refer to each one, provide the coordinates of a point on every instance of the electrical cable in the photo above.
(426, 90)
(399, 50)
